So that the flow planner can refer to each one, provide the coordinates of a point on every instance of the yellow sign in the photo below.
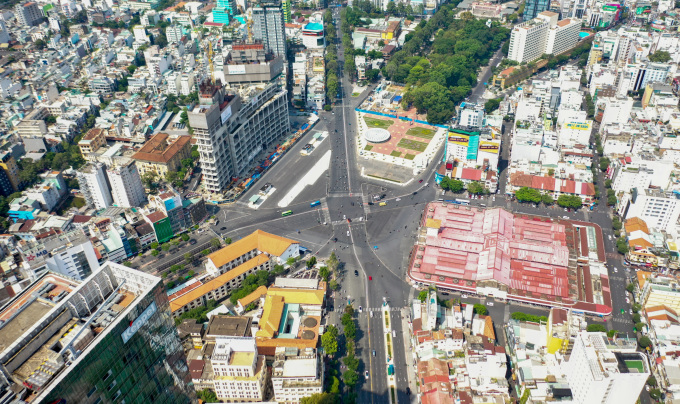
(460, 140)
(488, 147)
(577, 125)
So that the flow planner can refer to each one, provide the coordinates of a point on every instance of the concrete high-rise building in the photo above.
(174, 33)
(94, 185)
(240, 374)
(9, 182)
(4, 34)
(170, 203)
(563, 36)
(230, 134)
(532, 8)
(126, 184)
(657, 208)
(109, 338)
(223, 10)
(600, 370)
(74, 257)
(542, 35)
(28, 14)
(269, 27)
(296, 374)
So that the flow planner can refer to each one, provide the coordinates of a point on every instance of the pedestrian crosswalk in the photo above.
(326, 212)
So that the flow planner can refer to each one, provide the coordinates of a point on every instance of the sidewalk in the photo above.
(410, 367)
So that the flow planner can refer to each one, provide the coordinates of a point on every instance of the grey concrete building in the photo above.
(231, 129)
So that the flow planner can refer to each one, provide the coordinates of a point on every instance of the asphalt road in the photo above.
(376, 240)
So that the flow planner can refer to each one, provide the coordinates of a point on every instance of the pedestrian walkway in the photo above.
(326, 212)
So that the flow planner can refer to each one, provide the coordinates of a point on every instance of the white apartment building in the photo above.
(528, 40)
(657, 208)
(95, 186)
(240, 374)
(126, 184)
(269, 28)
(472, 116)
(158, 65)
(542, 35)
(173, 33)
(230, 138)
(563, 36)
(75, 258)
(139, 32)
(187, 83)
(295, 376)
(28, 14)
(174, 83)
(605, 371)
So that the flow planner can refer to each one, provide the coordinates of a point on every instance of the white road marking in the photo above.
(309, 179)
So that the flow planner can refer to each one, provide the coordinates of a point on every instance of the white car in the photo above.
(347, 233)
(630, 311)
(489, 303)
(616, 270)
(366, 374)
(463, 296)
(344, 217)
(361, 310)
(628, 300)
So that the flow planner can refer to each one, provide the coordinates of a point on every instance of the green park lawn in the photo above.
(395, 153)
(377, 123)
(412, 145)
(368, 147)
(422, 133)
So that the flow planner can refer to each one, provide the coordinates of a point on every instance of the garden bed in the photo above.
(412, 145)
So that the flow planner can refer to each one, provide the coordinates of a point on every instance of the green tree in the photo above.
(322, 398)
(655, 393)
(612, 333)
(660, 56)
(227, 240)
(185, 237)
(350, 377)
(644, 342)
(207, 395)
(324, 273)
(154, 245)
(622, 246)
(422, 296)
(636, 317)
(651, 381)
(492, 105)
(188, 257)
(333, 262)
(215, 243)
(40, 44)
(132, 69)
(333, 285)
(155, 253)
(604, 163)
(206, 252)
(526, 194)
(480, 309)
(165, 247)
(570, 201)
(329, 340)
(311, 262)
(547, 199)
(476, 188)
(630, 287)
(596, 328)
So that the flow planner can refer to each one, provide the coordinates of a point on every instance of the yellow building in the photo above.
(92, 141)
(160, 155)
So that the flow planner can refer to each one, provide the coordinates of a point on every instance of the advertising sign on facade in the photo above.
(236, 69)
(226, 114)
(139, 322)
